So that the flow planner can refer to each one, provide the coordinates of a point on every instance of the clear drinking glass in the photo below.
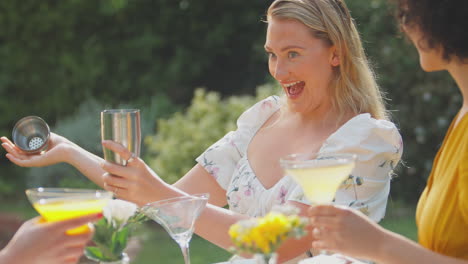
(121, 126)
(55, 204)
(178, 216)
(319, 174)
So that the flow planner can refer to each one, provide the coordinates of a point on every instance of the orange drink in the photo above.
(55, 204)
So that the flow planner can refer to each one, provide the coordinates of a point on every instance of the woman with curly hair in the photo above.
(438, 30)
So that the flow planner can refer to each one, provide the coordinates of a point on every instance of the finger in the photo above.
(114, 181)
(118, 170)
(71, 254)
(319, 244)
(324, 210)
(320, 232)
(18, 161)
(12, 149)
(117, 148)
(323, 221)
(7, 141)
(25, 160)
(119, 192)
(79, 240)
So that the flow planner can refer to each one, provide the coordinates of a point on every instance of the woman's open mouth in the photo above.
(294, 90)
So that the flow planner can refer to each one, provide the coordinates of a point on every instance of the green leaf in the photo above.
(119, 241)
(94, 253)
(103, 232)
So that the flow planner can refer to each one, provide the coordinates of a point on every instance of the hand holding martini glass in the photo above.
(55, 204)
(319, 174)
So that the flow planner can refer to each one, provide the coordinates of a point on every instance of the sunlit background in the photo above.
(191, 67)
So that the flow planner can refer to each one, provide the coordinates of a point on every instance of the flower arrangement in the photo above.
(264, 235)
(112, 231)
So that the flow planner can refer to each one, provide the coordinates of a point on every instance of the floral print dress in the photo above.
(377, 143)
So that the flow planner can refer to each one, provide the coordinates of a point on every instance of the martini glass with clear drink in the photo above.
(178, 216)
(319, 174)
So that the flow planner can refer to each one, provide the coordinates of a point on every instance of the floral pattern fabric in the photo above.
(377, 143)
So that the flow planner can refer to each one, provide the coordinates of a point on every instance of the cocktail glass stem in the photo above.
(178, 215)
(184, 246)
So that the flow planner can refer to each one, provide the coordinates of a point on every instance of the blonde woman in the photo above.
(331, 103)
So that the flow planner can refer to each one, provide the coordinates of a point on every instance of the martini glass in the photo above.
(56, 204)
(178, 216)
(319, 174)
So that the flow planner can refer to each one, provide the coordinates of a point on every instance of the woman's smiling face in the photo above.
(301, 63)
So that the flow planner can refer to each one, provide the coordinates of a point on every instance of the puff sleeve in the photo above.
(221, 158)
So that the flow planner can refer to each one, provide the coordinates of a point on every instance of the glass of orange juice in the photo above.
(55, 204)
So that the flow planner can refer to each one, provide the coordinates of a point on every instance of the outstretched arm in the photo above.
(349, 232)
(60, 150)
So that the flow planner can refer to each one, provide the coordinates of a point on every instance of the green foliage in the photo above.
(110, 243)
(185, 135)
(11, 181)
(111, 232)
(57, 54)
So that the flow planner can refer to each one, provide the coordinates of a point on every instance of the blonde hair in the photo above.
(354, 86)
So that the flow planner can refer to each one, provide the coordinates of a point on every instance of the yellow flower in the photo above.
(264, 235)
(234, 231)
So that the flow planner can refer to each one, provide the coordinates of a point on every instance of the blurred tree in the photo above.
(56, 54)
(185, 135)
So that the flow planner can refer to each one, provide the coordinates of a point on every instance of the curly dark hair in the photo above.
(443, 23)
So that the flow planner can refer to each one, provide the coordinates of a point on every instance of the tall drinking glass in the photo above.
(56, 204)
(319, 174)
(121, 126)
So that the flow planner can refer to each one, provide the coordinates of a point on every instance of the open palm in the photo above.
(56, 152)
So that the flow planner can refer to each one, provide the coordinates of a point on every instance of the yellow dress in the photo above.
(442, 213)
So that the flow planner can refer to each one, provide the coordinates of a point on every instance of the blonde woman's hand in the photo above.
(39, 242)
(346, 231)
(56, 152)
(135, 182)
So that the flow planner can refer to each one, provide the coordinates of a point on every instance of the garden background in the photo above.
(191, 67)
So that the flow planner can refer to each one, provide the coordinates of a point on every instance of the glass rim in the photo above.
(201, 196)
(120, 111)
(53, 191)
